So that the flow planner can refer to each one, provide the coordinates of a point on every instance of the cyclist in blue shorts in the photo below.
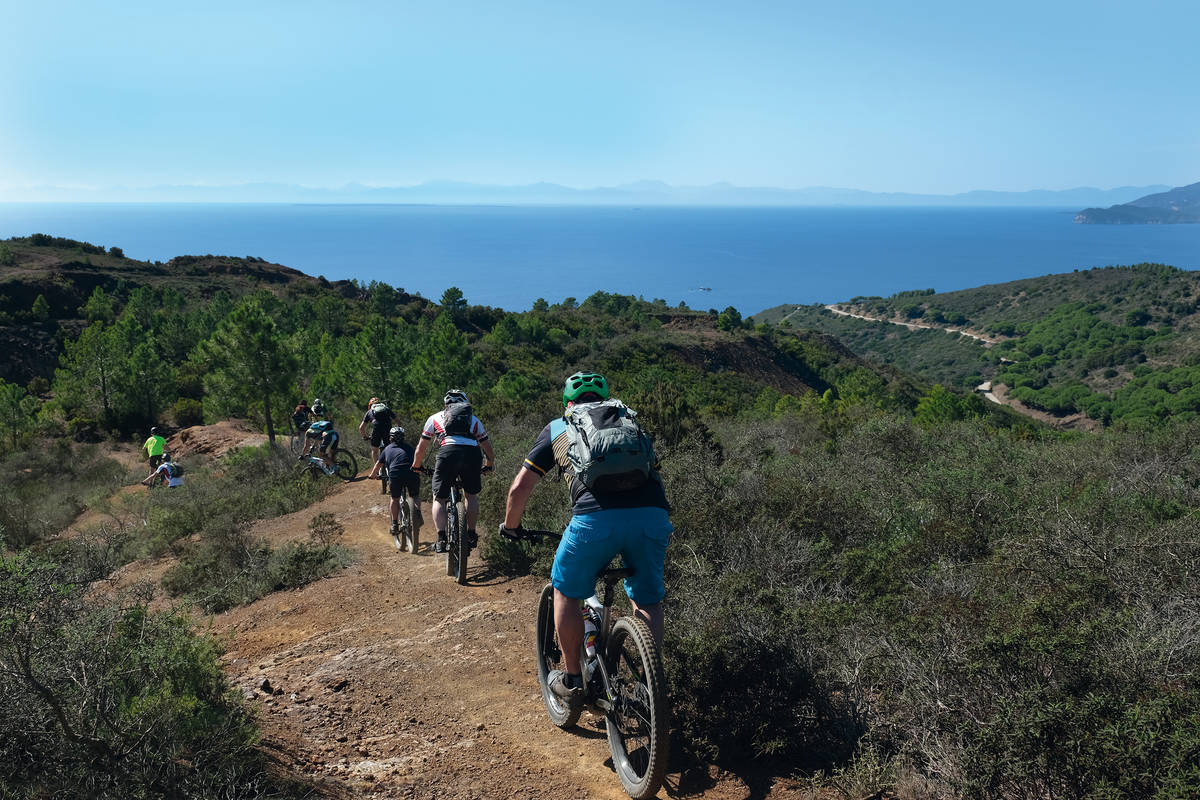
(630, 520)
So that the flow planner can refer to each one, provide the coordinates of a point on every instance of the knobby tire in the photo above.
(452, 523)
(463, 546)
(347, 466)
(637, 725)
(550, 657)
(400, 535)
(409, 527)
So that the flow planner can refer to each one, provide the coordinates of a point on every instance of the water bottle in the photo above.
(592, 608)
(589, 633)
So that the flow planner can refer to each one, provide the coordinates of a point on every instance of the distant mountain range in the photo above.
(639, 193)
(1181, 204)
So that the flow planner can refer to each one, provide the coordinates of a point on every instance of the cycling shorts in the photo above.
(638, 535)
(329, 440)
(378, 438)
(454, 460)
(411, 481)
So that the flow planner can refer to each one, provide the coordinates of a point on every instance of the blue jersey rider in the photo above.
(632, 522)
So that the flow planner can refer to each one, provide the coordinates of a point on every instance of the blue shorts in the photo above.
(590, 541)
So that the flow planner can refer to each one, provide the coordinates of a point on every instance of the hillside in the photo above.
(1178, 205)
(1114, 343)
(67, 273)
(119, 344)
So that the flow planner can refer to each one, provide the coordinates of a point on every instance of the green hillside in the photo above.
(118, 345)
(1114, 343)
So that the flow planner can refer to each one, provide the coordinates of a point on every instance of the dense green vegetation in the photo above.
(1115, 343)
(106, 700)
(150, 350)
(874, 582)
(935, 608)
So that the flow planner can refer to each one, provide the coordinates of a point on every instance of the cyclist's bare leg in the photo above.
(395, 510)
(439, 514)
(568, 622)
(653, 616)
(472, 511)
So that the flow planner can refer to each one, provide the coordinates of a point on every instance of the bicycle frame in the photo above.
(603, 633)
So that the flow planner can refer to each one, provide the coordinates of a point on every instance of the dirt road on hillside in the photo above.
(389, 680)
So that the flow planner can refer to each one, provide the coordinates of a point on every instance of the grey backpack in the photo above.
(607, 449)
(458, 419)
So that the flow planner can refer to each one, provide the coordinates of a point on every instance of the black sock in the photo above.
(574, 681)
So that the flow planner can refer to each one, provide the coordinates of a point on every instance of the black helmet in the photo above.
(166, 456)
(318, 407)
(396, 434)
(455, 396)
(156, 431)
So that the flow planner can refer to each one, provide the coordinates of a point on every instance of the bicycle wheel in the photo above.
(550, 657)
(400, 535)
(637, 724)
(410, 525)
(296, 442)
(452, 523)
(347, 465)
(464, 550)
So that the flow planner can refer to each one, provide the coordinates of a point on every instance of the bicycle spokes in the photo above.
(631, 708)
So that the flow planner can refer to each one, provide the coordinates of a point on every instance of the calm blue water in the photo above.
(508, 256)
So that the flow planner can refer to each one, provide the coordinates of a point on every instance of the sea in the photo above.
(751, 258)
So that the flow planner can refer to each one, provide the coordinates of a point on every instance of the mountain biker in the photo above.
(301, 415)
(167, 472)
(154, 447)
(322, 435)
(461, 437)
(632, 522)
(380, 418)
(397, 456)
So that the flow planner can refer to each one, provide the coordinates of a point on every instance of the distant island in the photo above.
(639, 193)
(1181, 204)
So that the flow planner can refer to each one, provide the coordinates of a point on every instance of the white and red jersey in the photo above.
(435, 428)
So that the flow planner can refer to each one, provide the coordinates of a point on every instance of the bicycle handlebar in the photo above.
(519, 534)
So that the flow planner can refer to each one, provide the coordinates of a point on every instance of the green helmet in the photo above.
(583, 382)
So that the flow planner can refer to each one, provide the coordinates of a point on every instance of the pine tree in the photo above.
(249, 362)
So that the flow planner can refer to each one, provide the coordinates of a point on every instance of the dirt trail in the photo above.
(987, 339)
(389, 680)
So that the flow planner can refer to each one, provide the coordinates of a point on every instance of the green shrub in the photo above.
(112, 701)
(187, 412)
(45, 487)
(228, 568)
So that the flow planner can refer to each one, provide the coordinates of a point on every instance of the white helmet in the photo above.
(455, 396)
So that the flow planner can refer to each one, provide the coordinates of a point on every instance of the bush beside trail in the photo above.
(935, 610)
(108, 700)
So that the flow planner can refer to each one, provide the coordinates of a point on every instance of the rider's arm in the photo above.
(487, 451)
(518, 496)
(419, 455)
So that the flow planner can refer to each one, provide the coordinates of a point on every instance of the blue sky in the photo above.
(928, 97)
